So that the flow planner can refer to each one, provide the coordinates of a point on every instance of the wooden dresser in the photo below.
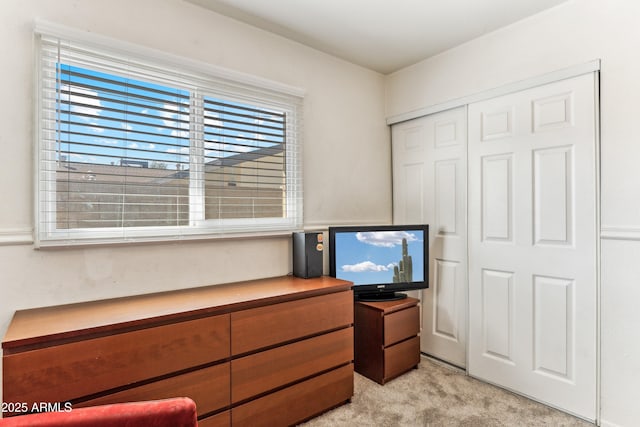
(265, 352)
(386, 338)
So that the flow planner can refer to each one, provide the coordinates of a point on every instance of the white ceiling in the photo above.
(383, 35)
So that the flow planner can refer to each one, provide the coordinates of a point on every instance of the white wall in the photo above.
(573, 33)
(346, 152)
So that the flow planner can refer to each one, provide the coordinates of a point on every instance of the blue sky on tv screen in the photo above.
(366, 258)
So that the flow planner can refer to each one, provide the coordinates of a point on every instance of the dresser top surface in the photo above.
(33, 326)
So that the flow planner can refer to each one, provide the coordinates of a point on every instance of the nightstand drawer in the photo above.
(401, 325)
(401, 357)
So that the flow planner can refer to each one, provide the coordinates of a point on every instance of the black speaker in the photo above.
(307, 254)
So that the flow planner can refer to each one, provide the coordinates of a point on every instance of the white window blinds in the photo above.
(137, 149)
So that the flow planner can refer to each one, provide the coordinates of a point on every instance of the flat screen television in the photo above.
(381, 261)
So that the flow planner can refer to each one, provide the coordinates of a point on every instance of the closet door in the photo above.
(532, 243)
(429, 187)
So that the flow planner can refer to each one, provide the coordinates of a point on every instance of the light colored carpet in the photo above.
(437, 395)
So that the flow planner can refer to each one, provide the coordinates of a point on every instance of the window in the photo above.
(136, 148)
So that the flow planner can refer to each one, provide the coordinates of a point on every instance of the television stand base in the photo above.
(386, 338)
(382, 296)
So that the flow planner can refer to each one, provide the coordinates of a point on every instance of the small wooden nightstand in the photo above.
(386, 338)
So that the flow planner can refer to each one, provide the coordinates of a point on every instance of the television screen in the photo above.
(380, 260)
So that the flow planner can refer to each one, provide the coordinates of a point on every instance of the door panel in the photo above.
(497, 315)
(446, 305)
(532, 243)
(553, 195)
(445, 204)
(429, 172)
(413, 184)
(497, 198)
(553, 340)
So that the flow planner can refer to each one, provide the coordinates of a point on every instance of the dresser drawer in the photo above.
(298, 402)
(292, 356)
(262, 327)
(208, 387)
(401, 325)
(73, 370)
(267, 370)
(222, 419)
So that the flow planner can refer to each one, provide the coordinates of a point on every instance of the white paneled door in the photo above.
(429, 164)
(532, 159)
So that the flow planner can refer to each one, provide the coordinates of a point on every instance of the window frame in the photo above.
(207, 80)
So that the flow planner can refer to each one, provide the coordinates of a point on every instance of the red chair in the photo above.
(175, 412)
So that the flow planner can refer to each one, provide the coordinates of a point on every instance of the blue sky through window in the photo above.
(108, 119)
